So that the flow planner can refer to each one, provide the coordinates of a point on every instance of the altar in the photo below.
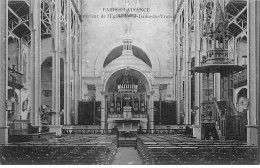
(127, 112)
(127, 121)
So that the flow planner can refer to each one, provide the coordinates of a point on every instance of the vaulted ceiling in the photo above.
(138, 52)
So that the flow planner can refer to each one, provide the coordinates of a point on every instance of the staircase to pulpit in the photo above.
(220, 121)
(212, 122)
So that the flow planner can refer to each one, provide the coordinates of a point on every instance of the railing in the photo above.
(86, 131)
(143, 131)
(232, 107)
(221, 122)
(18, 127)
(208, 112)
(14, 78)
(216, 55)
(121, 116)
(166, 131)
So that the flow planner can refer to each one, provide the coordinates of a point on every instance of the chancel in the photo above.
(129, 82)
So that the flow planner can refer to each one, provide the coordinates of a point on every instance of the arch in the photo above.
(45, 59)
(138, 52)
(242, 93)
(46, 69)
(104, 52)
(46, 81)
(244, 38)
(138, 73)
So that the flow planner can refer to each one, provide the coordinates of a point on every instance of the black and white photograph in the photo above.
(129, 82)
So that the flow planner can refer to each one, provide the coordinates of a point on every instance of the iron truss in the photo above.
(236, 11)
(19, 18)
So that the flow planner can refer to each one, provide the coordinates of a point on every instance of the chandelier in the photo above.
(126, 86)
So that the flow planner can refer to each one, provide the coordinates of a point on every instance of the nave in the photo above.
(66, 82)
(153, 149)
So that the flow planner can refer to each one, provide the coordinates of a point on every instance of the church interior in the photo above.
(172, 80)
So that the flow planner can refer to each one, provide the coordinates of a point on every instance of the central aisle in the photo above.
(127, 156)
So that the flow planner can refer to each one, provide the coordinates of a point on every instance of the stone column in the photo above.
(178, 74)
(67, 70)
(76, 73)
(197, 127)
(151, 109)
(3, 68)
(35, 61)
(253, 70)
(187, 59)
(103, 110)
(56, 127)
(77, 94)
(78, 63)
(56, 66)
